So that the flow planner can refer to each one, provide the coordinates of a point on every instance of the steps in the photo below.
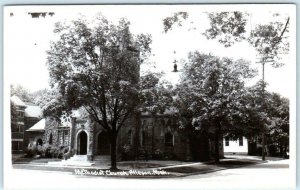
(76, 160)
(102, 159)
(82, 160)
(79, 158)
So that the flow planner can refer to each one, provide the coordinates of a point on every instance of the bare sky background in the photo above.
(27, 39)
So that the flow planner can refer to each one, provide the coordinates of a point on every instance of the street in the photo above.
(270, 175)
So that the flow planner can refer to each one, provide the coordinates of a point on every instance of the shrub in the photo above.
(127, 152)
(62, 151)
(158, 155)
(46, 151)
(31, 151)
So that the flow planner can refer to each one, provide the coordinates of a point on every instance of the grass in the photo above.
(187, 170)
(34, 160)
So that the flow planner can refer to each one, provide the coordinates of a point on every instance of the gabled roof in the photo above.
(39, 126)
(33, 111)
(17, 101)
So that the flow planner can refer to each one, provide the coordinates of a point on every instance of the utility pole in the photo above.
(263, 62)
(263, 102)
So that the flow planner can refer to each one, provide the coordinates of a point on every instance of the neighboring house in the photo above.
(239, 146)
(17, 125)
(33, 114)
(27, 115)
(36, 132)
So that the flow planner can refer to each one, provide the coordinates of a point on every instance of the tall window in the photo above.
(17, 145)
(241, 141)
(168, 139)
(66, 137)
(226, 141)
(143, 138)
(50, 139)
(129, 136)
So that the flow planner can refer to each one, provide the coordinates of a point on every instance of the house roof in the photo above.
(39, 126)
(17, 101)
(33, 111)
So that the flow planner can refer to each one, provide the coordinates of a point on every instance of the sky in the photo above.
(26, 40)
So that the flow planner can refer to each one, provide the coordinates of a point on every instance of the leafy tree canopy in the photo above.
(21, 92)
(96, 65)
(211, 89)
(270, 40)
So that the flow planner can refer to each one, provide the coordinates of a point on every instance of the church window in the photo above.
(168, 139)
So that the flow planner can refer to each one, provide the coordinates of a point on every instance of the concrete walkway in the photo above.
(171, 168)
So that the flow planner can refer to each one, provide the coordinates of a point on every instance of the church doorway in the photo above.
(82, 143)
(103, 144)
(39, 142)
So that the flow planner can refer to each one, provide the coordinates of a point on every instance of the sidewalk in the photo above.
(147, 169)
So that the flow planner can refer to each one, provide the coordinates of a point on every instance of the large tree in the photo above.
(270, 40)
(155, 98)
(210, 92)
(278, 125)
(96, 65)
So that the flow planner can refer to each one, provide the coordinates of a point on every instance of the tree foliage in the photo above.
(155, 95)
(21, 92)
(227, 27)
(96, 65)
(278, 125)
(270, 40)
(50, 101)
(176, 18)
(210, 92)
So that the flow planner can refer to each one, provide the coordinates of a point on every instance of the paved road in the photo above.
(271, 175)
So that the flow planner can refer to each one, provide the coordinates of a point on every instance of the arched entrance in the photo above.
(82, 143)
(103, 144)
(39, 142)
(50, 139)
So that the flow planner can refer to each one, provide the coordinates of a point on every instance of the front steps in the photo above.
(76, 160)
(102, 159)
(82, 160)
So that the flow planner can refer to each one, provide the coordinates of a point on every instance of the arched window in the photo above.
(168, 139)
(50, 139)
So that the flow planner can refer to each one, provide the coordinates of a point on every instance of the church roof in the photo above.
(39, 126)
(33, 111)
(17, 101)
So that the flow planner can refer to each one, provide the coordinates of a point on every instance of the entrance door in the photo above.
(82, 143)
(103, 144)
(39, 142)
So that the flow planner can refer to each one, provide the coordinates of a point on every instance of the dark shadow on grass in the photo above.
(187, 170)
(140, 165)
(271, 166)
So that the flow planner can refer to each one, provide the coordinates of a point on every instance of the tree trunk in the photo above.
(113, 150)
(217, 153)
(285, 150)
(263, 153)
(280, 150)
